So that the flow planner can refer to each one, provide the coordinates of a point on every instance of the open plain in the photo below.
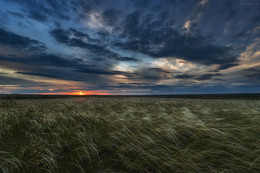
(130, 134)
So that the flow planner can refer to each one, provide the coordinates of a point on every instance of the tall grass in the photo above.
(146, 135)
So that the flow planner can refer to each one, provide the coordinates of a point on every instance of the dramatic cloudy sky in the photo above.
(129, 46)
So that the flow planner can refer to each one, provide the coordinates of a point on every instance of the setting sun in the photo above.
(81, 93)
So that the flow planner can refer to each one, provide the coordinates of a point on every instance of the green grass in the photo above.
(130, 134)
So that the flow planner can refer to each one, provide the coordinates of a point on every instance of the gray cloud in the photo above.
(21, 42)
(110, 17)
(5, 80)
(198, 77)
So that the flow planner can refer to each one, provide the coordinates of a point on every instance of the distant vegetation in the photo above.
(129, 134)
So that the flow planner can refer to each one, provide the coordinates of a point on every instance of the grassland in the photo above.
(130, 134)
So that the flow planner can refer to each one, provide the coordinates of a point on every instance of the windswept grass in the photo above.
(146, 135)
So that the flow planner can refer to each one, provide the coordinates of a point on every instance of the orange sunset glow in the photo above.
(79, 93)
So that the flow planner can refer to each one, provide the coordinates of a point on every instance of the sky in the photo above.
(121, 47)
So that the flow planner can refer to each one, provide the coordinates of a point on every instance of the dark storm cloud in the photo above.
(98, 71)
(69, 36)
(79, 34)
(110, 17)
(149, 74)
(5, 80)
(103, 34)
(53, 66)
(163, 41)
(152, 34)
(253, 74)
(38, 15)
(36, 57)
(126, 59)
(43, 60)
(198, 77)
(135, 84)
(60, 35)
(230, 18)
(227, 64)
(166, 89)
(14, 40)
(131, 24)
(95, 71)
(39, 74)
(63, 74)
(184, 76)
(207, 76)
(75, 38)
(146, 86)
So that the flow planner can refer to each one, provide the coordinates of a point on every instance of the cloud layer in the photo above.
(129, 47)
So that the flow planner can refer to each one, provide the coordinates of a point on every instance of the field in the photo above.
(130, 134)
